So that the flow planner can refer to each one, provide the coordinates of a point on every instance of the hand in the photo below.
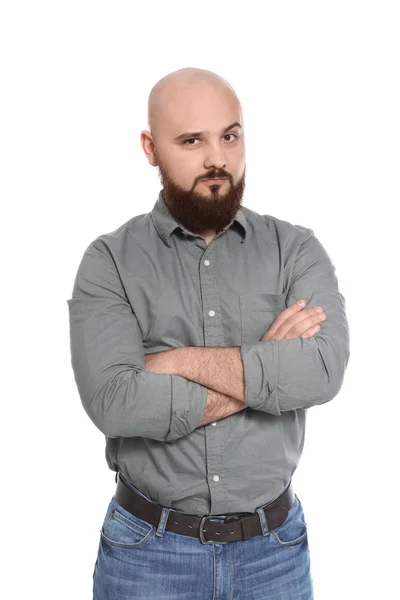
(161, 362)
(294, 322)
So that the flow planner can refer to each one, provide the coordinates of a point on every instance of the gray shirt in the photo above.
(152, 285)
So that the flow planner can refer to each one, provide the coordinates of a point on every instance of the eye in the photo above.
(235, 136)
(188, 140)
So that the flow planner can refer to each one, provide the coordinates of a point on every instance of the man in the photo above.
(193, 357)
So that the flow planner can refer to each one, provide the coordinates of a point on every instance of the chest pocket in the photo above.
(257, 313)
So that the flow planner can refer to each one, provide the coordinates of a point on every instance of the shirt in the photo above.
(153, 285)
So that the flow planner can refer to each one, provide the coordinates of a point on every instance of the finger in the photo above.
(302, 326)
(298, 323)
(291, 310)
(310, 332)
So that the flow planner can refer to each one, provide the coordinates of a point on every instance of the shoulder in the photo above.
(119, 240)
(284, 232)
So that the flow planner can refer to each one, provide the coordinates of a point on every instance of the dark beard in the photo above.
(198, 212)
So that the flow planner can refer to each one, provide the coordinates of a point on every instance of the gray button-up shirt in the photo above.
(152, 285)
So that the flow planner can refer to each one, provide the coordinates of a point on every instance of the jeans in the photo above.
(136, 559)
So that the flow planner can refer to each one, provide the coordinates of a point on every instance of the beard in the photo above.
(199, 212)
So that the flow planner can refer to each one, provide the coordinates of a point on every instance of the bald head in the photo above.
(180, 90)
(196, 136)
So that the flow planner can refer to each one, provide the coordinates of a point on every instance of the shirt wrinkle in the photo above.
(145, 288)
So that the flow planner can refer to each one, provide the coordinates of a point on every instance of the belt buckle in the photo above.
(202, 539)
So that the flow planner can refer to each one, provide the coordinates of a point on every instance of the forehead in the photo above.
(198, 108)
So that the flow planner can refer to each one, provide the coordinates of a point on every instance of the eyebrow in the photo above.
(199, 133)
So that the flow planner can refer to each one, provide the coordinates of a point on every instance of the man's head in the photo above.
(196, 132)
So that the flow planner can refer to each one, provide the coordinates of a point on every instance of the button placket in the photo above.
(213, 336)
(209, 289)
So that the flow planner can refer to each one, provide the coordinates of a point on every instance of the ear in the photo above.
(147, 142)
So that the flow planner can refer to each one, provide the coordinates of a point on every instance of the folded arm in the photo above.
(107, 355)
(280, 375)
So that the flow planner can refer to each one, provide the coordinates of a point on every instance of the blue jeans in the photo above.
(136, 559)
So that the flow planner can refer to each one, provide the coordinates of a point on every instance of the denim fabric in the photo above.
(139, 560)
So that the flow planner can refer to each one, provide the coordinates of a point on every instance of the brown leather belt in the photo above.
(235, 527)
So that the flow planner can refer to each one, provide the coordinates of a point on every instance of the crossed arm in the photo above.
(277, 375)
(124, 398)
(218, 368)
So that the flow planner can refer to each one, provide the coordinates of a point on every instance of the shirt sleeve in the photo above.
(107, 357)
(283, 375)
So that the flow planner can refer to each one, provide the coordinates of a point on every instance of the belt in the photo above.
(235, 527)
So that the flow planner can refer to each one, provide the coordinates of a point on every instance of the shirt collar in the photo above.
(165, 222)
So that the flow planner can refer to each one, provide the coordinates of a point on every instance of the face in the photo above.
(200, 136)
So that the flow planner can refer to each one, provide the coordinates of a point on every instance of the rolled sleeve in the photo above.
(288, 374)
(260, 367)
(107, 355)
(187, 407)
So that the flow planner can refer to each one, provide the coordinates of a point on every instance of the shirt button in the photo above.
(206, 262)
(215, 422)
(215, 478)
(211, 313)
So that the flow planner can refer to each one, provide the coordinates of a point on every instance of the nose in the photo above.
(215, 158)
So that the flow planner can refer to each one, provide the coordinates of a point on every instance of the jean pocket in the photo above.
(124, 530)
(294, 529)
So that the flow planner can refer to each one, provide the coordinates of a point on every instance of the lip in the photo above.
(216, 179)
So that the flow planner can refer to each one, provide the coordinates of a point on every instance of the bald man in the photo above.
(203, 188)
(199, 340)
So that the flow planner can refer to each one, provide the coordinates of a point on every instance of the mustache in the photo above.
(215, 175)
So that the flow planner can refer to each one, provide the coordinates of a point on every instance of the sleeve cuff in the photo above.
(260, 369)
(187, 406)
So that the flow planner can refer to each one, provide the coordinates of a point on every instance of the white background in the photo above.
(319, 86)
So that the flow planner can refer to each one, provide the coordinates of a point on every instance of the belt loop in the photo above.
(163, 521)
(263, 521)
